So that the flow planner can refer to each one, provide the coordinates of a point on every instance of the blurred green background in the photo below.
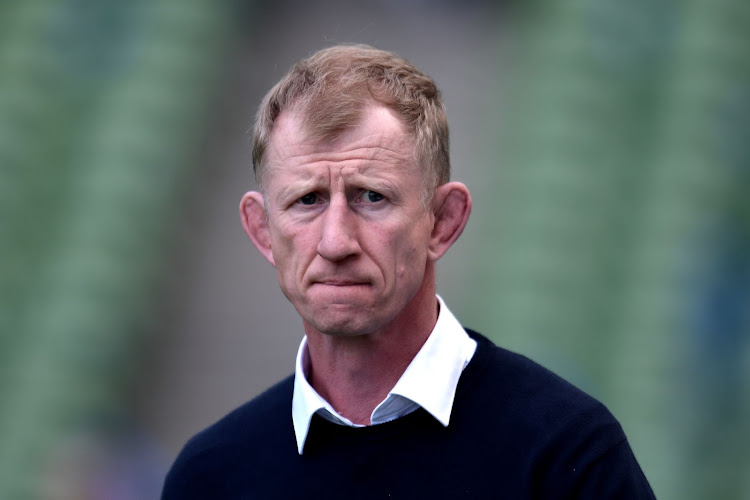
(606, 144)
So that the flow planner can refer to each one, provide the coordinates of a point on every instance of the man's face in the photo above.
(348, 231)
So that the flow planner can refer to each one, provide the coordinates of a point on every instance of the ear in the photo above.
(451, 206)
(255, 222)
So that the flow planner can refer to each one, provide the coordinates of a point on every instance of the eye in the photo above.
(309, 199)
(372, 196)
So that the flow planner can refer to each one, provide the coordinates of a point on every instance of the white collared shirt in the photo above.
(429, 381)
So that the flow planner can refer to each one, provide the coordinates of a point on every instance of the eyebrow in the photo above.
(316, 180)
(378, 183)
(298, 188)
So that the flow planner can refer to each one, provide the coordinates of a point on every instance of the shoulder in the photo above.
(545, 411)
(507, 377)
(258, 424)
(247, 422)
(573, 440)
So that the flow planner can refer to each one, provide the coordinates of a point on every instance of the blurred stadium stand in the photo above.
(619, 249)
(100, 107)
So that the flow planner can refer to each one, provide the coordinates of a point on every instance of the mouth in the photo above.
(341, 283)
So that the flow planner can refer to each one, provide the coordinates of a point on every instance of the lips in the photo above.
(339, 282)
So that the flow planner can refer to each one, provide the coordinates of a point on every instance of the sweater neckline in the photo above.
(332, 433)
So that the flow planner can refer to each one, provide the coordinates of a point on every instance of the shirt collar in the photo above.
(429, 381)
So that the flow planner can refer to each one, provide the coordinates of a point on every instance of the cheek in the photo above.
(293, 252)
(287, 240)
(411, 254)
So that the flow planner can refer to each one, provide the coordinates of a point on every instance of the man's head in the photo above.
(331, 88)
(343, 215)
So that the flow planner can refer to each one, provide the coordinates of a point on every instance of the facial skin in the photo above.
(346, 228)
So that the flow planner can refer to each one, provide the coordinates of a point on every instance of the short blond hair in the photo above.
(330, 89)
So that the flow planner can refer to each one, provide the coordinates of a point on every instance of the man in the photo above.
(391, 398)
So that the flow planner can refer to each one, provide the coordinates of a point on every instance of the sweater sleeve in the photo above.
(189, 479)
(588, 457)
(614, 475)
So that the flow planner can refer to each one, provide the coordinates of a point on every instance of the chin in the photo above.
(341, 328)
(343, 324)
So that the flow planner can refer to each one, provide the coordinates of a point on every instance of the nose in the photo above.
(338, 239)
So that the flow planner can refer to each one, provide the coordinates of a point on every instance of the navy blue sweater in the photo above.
(517, 431)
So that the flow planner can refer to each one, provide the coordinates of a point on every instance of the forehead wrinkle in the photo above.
(290, 150)
(307, 154)
(365, 161)
(286, 145)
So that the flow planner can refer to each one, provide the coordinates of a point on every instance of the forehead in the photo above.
(380, 137)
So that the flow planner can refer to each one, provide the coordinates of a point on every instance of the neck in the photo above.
(354, 374)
